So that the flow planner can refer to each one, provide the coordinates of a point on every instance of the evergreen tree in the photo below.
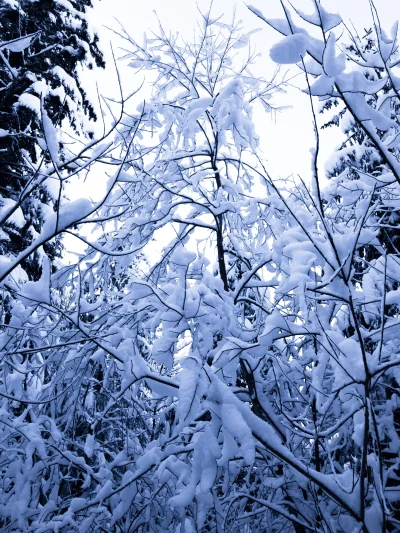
(43, 44)
(359, 159)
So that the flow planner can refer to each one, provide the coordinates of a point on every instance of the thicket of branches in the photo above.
(224, 356)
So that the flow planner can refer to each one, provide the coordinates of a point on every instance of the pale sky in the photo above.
(287, 140)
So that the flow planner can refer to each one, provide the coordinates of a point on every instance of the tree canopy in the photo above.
(224, 355)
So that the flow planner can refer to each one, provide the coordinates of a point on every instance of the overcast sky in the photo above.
(287, 140)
